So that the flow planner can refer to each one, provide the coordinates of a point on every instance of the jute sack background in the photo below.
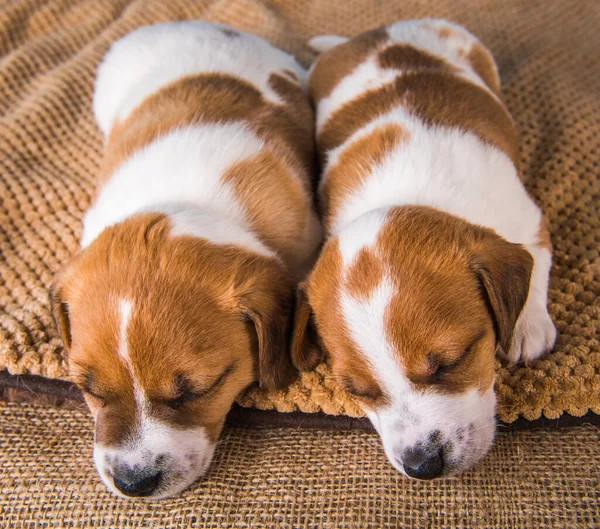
(548, 53)
(298, 479)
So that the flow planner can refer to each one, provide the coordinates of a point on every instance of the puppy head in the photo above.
(410, 305)
(162, 333)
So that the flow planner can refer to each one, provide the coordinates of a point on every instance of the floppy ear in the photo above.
(266, 300)
(60, 313)
(504, 270)
(306, 350)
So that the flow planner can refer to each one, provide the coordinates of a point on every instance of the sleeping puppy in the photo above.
(180, 296)
(435, 255)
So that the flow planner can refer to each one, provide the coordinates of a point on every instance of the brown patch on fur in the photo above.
(484, 65)
(292, 93)
(338, 62)
(274, 201)
(364, 274)
(444, 32)
(198, 308)
(437, 98)
(543, 235)
(354, 164)
(216, 98)
(405, 57)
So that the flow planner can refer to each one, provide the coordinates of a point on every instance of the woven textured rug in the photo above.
(298, 479)
(548, 53)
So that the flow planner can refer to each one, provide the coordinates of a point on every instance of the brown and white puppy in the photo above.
(180, 296)
(435, 254)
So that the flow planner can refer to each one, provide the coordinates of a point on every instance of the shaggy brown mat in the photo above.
(548, 54)
(298, 479)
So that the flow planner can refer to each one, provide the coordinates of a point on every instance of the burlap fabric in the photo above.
(295, 479)
(548, 53)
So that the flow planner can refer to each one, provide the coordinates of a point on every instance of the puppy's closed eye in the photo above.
(183, 398)
(439, 367)
(186, 395)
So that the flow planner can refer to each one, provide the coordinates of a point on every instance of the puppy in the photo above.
(180, 296)
(434, 254)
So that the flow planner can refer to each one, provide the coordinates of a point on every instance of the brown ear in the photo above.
(504, 270)
(267, 302)
(306, 350)
(60, 313)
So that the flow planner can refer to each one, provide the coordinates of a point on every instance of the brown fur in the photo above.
(336, 63)
(353, 165)
(440, 307)
(274, 201)
(407, 58)
(364, 274)
(198, 308)
(483, 63)
(292, 75)
(438, 98)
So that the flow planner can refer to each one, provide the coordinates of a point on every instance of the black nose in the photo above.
(136, 484)
(422, 464)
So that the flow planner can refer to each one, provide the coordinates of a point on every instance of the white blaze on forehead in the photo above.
(125, 310)
(125, 307)
(365, 320)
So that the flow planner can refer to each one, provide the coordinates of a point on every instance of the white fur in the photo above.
(180, 454)
(125, 308)
(218, 230)
(451, 170)
(151, 57)
(534, 333)
(360, 234)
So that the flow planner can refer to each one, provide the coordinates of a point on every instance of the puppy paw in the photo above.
(534, 335)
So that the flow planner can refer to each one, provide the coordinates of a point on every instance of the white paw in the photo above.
(534, 335)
